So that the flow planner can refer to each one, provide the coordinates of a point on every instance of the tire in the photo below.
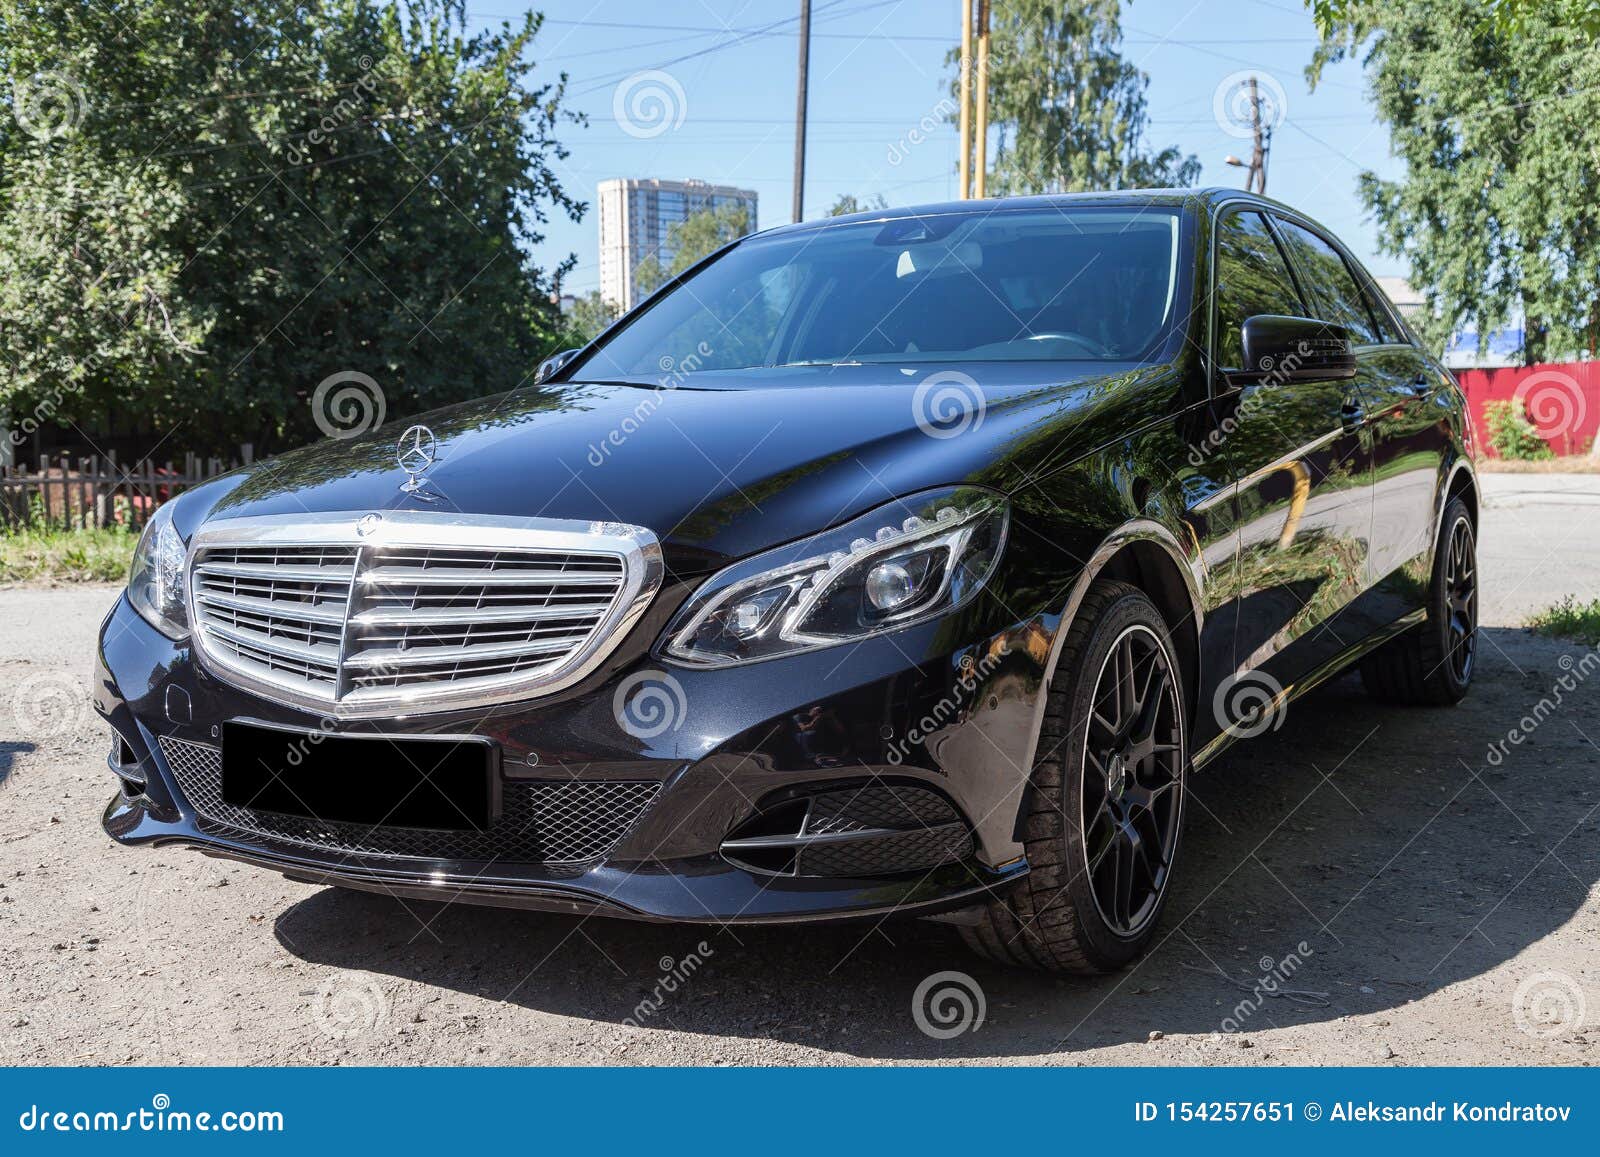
(1090, 782)
(1432, 663)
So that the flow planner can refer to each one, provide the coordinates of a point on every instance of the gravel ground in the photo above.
(1427, 905)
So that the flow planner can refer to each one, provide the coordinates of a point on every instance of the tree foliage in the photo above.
(1499, 133)
(846, 203)
(589, 315)
(696, 237)
(1069, 109)
(207, 208)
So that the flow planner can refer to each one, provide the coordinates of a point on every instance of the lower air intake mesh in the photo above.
(555, 822)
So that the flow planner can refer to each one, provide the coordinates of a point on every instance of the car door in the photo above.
(1403, 427)
(1300, 472)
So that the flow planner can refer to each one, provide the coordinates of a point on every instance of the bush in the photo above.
(1512, 435)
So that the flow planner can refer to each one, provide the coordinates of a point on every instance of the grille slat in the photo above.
(563, 823)
(420, 611)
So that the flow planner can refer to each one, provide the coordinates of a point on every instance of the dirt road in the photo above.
(1425, 886)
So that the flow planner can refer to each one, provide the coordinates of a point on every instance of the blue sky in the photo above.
(877, 70)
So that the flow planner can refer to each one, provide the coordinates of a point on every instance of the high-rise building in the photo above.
(635, 215)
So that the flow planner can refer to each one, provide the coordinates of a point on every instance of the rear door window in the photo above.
(1331, 283)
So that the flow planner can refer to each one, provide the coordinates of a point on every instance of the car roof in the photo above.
(1132, 197)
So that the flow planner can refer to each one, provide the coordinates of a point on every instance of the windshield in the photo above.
(1075, 284)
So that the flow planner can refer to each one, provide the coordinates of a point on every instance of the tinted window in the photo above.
(1376, 302)
(1252, 278)
(1038, 285)
(1329, 280)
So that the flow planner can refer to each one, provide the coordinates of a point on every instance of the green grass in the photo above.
(1570, 619)
(70, 556)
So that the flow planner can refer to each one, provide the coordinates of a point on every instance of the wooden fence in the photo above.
(81, 493)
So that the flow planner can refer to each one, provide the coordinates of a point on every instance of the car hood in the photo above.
(715, 473)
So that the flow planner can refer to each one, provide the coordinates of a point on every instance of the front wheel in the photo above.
(1106, 805)
(1432, 663)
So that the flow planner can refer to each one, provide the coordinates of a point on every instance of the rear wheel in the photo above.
(1106, 805)
(1432, 663)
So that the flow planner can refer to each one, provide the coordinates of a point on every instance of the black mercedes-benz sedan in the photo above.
(906, 562)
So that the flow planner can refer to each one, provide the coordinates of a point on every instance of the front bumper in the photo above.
(906, 709)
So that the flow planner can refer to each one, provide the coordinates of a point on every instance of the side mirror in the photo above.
(1280, 349)
(553, 363)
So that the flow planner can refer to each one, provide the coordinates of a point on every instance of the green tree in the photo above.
(850, 203)
(1069, 109)
(1499, 135)
(690, 240)
(589, 315)
(207, 209)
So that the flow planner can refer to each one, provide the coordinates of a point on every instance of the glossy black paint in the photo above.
(1286, 526)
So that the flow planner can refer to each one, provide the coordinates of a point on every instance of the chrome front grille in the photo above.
(560, 823)
(370, 615)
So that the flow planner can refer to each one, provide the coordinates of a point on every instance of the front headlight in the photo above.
(157, 582)
(911, 560)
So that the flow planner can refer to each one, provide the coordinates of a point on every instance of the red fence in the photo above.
(1562, 400)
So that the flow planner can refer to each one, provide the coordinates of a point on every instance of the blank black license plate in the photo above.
(443, 784)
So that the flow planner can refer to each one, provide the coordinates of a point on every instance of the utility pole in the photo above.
(966, 105)
(800, 114)
(1255, 180)
(982, 143)
(1258, 155)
